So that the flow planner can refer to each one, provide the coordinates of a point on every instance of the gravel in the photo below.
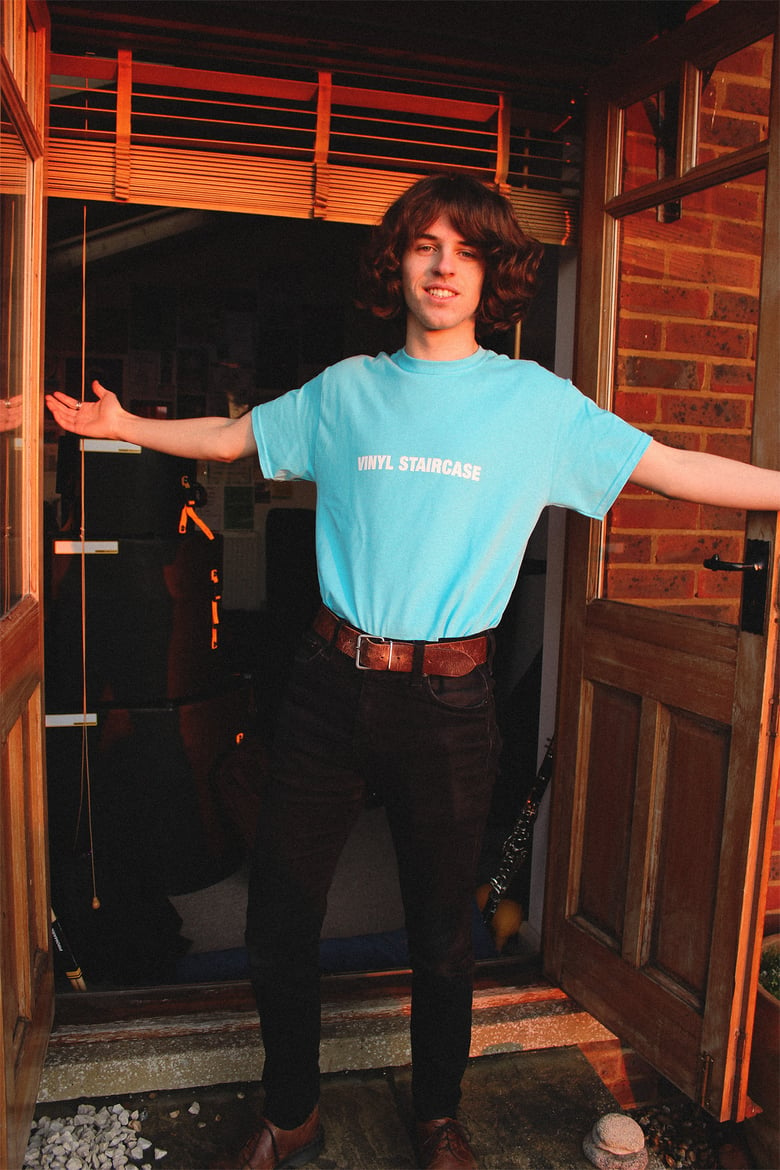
(108, 1138)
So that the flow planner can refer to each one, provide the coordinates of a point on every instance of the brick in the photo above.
(733, 379)
(715, 519)
(638, 333)
(665, 300)
(713, 268)
(635, 406)
(703, 412)
(732, 236)
(639, 160)
(736, 307)
(652, 513)
(749, 98)
(637, 122)
(692, 231)
(629, 548)
(773, 895)
(754, 61)
(776, 835)
(737, 200)
(721, 585)
(685, 440)
(636, 583)
(692, 548)
(729, 446)
(721, 340)
(730, 132)
(666, 373)
(642, 260)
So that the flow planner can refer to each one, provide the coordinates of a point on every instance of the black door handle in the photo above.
(714, 562)
(754, 586)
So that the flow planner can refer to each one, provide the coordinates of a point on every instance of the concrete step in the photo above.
(364, 1026)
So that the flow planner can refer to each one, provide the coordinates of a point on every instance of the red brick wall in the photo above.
(686, 346)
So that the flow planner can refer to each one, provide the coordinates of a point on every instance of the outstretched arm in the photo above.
(707, 479)
(223, 439)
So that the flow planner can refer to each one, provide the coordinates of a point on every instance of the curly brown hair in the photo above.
(484, 218)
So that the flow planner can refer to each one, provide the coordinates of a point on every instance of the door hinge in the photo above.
(706, 1063)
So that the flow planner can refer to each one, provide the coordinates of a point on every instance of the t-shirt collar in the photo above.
(421, 366)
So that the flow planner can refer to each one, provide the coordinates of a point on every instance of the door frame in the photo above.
(26, 976)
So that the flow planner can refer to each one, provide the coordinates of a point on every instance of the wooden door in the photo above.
(663, 794)
(26, 984)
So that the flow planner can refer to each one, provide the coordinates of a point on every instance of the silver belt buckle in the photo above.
(372, 641)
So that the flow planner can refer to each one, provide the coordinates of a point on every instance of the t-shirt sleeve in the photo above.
(285, 432)
(595, 454)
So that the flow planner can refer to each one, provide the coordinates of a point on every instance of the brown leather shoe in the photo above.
(442, 1145)
(272, 1148)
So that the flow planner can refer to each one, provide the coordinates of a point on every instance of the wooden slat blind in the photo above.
(305, 145)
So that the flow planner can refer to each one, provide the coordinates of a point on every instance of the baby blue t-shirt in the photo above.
(431, 477)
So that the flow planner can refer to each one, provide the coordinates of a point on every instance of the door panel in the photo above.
(663, 793)
(26, 983)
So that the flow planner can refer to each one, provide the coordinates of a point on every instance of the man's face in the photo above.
(442, 282)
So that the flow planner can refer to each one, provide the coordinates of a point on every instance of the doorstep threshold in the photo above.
(173, 1038)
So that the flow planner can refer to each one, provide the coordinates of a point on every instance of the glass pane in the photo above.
(734, 102)
(650, 139)
(13, 171)
(686, 346)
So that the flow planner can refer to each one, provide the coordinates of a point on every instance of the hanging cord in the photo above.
(85, 796)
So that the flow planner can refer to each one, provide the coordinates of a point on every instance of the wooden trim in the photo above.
(124, 100)
(721, 30)
(20, 657)
(503, 137)
(103, 1008)
(17, 108)
(722, 170)
(766, 450)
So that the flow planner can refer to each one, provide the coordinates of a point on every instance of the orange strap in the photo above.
(188, 513)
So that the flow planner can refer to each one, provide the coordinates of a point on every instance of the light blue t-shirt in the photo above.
(431, 477)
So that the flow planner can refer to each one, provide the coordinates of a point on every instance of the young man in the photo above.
(432, 466)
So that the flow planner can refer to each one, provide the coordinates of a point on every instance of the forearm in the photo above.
(707, 479)
(193, 438)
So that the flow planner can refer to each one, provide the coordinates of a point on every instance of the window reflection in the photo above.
(734, 101)
(13, 168)
(650, 139)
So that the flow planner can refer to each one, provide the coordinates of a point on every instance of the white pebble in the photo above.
(194, 1108)
(91, 1140)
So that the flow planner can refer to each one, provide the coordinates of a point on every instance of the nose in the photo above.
(445, 262)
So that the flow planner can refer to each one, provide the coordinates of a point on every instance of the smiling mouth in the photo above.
(441, 294)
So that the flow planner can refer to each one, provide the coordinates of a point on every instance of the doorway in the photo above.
(188, 313)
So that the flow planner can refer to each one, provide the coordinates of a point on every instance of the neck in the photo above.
(440, 345)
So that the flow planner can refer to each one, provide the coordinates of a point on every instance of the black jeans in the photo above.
(429, 745)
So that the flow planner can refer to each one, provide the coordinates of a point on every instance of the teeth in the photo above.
(441, 293)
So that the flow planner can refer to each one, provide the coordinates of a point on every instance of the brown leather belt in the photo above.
(451, 659)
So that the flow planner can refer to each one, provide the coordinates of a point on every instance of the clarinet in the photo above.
(515, 847)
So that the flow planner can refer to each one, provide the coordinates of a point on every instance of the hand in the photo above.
(99, 420)
(11, 413)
